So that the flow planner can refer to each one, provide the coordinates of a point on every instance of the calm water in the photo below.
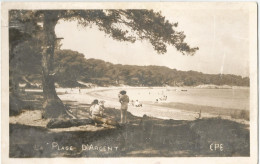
(226, 98)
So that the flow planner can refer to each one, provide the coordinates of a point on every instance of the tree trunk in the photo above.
(53, 106)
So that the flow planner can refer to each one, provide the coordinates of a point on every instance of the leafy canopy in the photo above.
(121, 25)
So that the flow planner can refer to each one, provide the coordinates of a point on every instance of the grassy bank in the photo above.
(151, 137)
(233, 113)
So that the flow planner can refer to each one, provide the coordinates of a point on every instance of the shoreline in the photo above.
(153, 110)
(162, 110)
(148, 109)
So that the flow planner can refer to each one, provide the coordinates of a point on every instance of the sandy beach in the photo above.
(164, 109)
(88, 95)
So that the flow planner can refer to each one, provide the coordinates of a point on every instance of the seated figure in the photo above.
(138, 104)
(97, 114)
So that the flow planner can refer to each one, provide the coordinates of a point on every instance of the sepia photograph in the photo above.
(133, 80)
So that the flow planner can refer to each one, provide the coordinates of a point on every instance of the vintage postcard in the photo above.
(129, 82)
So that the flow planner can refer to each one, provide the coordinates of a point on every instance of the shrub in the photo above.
(240, 114)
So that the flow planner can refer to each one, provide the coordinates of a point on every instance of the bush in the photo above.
(240, 114)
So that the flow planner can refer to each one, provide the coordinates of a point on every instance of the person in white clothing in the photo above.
(96, 112)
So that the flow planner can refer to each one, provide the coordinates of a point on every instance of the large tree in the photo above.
(121, 25)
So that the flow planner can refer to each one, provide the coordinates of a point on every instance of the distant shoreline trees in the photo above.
(72, 67)
(107, 74)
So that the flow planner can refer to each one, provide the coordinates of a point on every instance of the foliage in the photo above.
(105, 73)
(121, 25)
(71, 67)
(241, 114)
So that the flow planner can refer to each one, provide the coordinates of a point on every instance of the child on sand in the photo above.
(96, 112)
(138, 104)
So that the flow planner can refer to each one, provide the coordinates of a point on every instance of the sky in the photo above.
(222, 37)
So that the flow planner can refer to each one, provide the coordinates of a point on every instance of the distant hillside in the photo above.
(77, 68)
(71, 67)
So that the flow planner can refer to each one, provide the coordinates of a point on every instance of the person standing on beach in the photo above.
(124, 100)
